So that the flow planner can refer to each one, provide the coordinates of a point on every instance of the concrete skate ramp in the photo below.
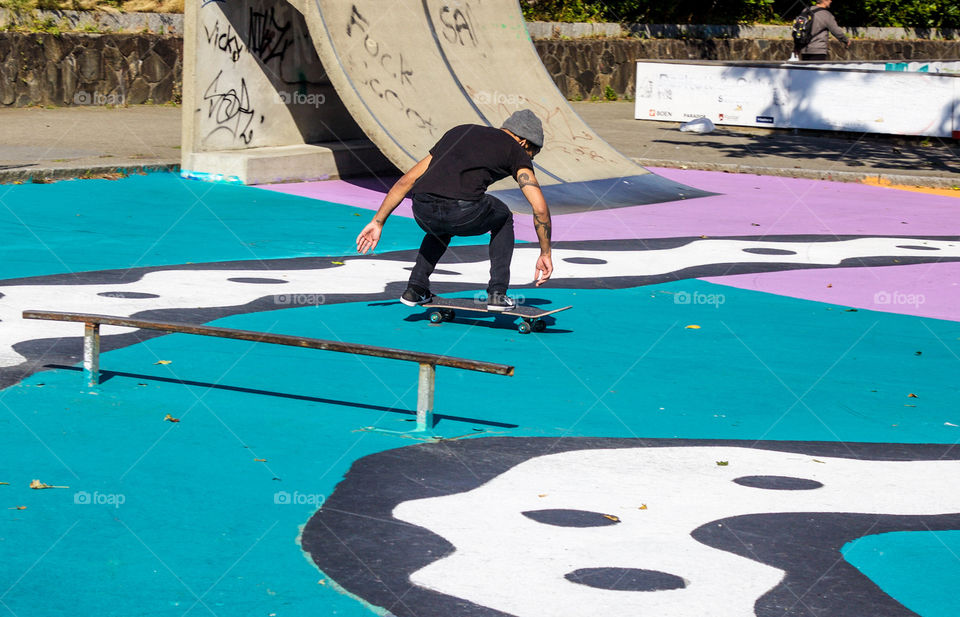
(409, 70)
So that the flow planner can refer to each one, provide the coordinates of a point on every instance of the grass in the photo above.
(125, 6)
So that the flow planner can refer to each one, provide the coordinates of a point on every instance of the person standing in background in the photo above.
(824, 24)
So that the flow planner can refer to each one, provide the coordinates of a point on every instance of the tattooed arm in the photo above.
(370, 236)
(541, 221)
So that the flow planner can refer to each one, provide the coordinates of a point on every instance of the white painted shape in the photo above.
(185, 289)
(508, 562)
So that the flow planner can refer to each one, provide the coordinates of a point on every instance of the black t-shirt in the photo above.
(468, 159)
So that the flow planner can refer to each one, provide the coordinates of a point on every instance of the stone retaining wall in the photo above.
(554, 30)
(89, 69)
(582, 69)
(119, 69)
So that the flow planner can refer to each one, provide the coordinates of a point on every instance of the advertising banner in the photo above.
(791, 95)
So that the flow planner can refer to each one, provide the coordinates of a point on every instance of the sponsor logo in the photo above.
(660, 114)
(764, 119)
(694, 116)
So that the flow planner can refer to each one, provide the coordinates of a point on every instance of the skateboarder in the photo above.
(449, 199)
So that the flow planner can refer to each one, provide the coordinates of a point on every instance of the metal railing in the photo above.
(428, 362)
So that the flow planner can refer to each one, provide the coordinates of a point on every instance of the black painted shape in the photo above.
(778, 483)
(438, 271)
(132, 295)
(570, 518)
(626, 579)
(479, 253)
(806, 546)
(584, 260)
(768, 251)
(355, 540)
(256, 281)
(918, 248)
(67, 350)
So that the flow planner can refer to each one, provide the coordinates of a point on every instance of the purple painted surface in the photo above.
(924, 290)
(354, 194)
(747, 206)
(750, 205)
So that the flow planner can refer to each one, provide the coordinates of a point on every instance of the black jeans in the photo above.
(444, 218)
(813, 57)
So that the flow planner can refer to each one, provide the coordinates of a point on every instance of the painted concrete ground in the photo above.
(754, 386)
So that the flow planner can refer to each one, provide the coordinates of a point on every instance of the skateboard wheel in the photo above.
(436, 317)
(538, 325)
(524, 327)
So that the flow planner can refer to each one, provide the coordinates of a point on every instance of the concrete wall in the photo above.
(68, 69)
(258, 106)
(258, 80)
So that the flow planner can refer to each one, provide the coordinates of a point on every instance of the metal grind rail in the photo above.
(428, 362)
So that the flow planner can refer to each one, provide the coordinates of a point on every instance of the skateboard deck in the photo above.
(530, 316)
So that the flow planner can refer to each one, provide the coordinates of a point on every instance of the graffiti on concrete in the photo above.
(267, 38)
(458, 25)
(386, 71)
(225, 40)
(230, 109)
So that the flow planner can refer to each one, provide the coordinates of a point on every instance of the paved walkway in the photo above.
(68, 142)
(804, 154)
(78, 141)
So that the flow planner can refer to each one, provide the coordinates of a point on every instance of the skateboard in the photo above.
(530, 316)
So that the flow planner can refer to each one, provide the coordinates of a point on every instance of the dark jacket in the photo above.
(823, 23)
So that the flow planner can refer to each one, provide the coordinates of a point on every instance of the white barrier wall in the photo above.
(794, 95)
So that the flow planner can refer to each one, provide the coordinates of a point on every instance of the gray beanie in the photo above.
(526, 125)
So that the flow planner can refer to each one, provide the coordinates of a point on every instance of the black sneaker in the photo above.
(414, 298)
(497, 301)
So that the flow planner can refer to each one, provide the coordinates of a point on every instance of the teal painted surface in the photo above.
(162, 219)
(200, 515)
(204, 527)
(918, 568)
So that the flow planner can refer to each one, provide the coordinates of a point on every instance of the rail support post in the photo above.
(425, 389)
(91, 353)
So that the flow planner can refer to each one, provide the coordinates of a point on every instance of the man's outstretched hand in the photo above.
(369, 237)
(544, 269)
